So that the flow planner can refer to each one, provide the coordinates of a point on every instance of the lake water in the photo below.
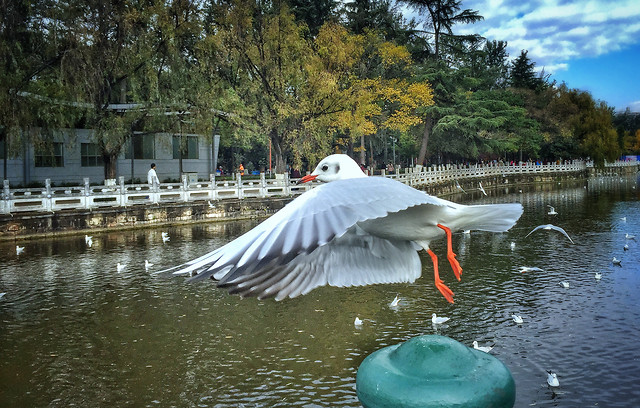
(75, 332)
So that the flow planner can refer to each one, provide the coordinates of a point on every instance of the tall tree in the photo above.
(439, 17)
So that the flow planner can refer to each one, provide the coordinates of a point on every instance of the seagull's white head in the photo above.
(335, 167)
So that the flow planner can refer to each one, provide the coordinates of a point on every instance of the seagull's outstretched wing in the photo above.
(551, 227)
(353, 259)
(310, 221)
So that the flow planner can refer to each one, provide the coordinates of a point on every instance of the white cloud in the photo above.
(634, 106)
(554, 33)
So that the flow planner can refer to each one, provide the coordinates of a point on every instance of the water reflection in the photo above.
(76, 332)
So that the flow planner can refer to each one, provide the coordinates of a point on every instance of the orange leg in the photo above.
(446, 292)
(455, 265)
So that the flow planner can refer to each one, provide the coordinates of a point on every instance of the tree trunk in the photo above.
(278, 154)
(428, 124)
(362, 150)
(109, 165)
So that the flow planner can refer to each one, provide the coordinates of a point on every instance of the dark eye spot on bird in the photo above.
(337, 168)
(325, 168)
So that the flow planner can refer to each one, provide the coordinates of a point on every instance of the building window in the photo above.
(187, 144)
(50, 155)
(144, 147)
(90, 155)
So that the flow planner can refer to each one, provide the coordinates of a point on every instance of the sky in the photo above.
(590, 45)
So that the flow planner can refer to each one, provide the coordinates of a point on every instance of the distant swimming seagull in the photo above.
(482, 188)
(357, 322)
(87, 238)
(513, 245)
(19, 250)
(120, 267)
(552, 379)
(623, 219)
(486, 349)
(598, 276)
(394, 302)
(147, 264)
(616, 261)
(524, 269)
(550, 227)
(629, 236)
(565, 284)
(552, 211)
(165, 237)
(625, 247)
(517, 319)
(439, 320)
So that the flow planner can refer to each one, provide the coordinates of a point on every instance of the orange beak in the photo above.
(307, 178)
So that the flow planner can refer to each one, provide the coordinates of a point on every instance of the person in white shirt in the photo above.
(152, 177)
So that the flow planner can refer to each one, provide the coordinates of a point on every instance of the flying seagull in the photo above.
(353, 230)
(549, 227)
(481, 188)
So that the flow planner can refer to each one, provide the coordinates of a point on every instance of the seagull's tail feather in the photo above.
(490, 217)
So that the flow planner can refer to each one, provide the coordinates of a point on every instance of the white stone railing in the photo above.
(126, 195)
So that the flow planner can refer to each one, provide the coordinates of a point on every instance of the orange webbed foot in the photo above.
(451, 256)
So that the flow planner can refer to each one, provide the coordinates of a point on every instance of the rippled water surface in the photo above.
(75, 332)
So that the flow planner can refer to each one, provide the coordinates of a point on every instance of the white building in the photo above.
(72, 158)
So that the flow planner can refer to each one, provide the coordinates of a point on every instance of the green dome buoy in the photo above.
(434, 371)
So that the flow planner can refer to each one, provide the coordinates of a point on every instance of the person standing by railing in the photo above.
(152, 177)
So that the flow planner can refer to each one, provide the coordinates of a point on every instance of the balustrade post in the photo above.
(212, 184)
(184, 188)
(87, 192)
(263, 185)
(122, 190)
(287, 184)
(48, 204)
(239, 185)
(6, 196)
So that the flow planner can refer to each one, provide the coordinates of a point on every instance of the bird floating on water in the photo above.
(353, 230)
(395, 301)
(517, 319)
(439, 320)
(552, 211)
(512, 245)
(623, 219)
(629, 236)
(524, 269)
(486, 349)
(88, 240)
(482, 188)
(598, 276)
(147, 264)
(120, 267)
(165, 237)
(626, 247)
(19, 250)
(616, 261)
(549, 227)
(552, 379)
(357, 322)
(565, 284)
